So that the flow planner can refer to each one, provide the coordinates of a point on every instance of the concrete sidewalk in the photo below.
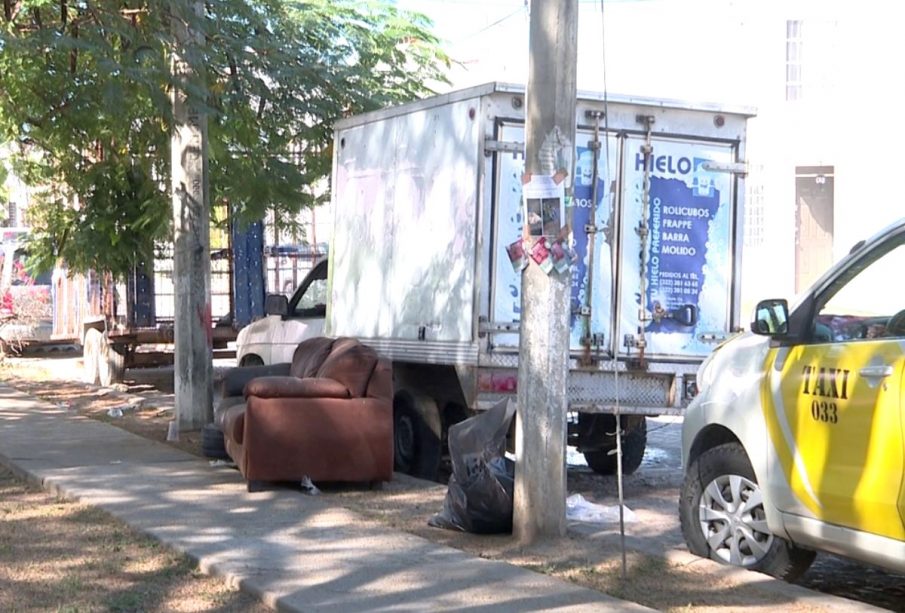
(296, 552)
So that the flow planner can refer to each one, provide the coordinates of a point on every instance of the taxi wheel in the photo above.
(722, 515)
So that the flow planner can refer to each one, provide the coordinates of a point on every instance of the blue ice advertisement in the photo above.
(686, 280)
(507, 282)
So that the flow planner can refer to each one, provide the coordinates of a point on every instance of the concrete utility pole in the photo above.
(540, 473)
(191, 220)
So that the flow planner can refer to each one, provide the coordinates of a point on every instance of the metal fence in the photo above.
(285, 266)
(165, 291)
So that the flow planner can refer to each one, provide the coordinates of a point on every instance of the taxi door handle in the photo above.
(876, 371)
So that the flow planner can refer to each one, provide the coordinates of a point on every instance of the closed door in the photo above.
(814, 196)
(835, 402)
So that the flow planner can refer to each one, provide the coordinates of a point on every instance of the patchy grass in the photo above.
(58, 555)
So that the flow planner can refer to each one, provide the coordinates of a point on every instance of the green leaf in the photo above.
(89, 103)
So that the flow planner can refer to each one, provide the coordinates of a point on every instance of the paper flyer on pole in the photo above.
(544, 205)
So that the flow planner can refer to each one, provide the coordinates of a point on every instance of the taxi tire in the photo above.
(783, 560)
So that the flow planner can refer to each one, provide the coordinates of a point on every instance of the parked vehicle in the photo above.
(286, 322)
(427, 196)
(25, 300)
(796, 441)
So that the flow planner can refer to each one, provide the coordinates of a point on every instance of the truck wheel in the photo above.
(416, 436)
(722, 515)
(634, 441)
(91, 355)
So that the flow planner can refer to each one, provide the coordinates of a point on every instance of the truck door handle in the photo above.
(876, 371)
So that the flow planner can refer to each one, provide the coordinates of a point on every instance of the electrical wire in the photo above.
(492, 25)
(619, 476)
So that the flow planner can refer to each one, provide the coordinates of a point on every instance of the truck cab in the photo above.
(796, 441)
(286, 322)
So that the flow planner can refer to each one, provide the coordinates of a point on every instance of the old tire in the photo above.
(416, 436)
(722, 516)
(91, 355)
(213, 444)
(111, 365)
(634, 441)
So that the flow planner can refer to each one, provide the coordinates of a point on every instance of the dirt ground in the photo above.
(655, 575)
(58, 555)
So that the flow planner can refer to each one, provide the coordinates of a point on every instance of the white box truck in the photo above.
(426, 197)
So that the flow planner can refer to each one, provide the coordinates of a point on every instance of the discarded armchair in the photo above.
(327, 415)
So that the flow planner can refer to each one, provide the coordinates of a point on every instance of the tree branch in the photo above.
(11, 9)
(74, 54)
(233, 71)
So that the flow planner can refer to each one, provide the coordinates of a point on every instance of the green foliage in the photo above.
(85, 91)
(4, 193)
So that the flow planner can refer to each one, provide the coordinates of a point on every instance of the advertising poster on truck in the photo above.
(507, 301)
(687, 277)
(602, 215)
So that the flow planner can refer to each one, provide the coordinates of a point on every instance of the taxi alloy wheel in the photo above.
(731, 515)
(721, 511)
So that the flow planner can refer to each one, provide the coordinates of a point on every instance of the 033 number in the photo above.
(824, 411)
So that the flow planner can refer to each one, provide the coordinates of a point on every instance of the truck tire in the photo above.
(416, 435)
(603, 461)
(91, 355)
(721, 482)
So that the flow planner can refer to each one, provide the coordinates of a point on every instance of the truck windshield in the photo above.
(311, 298)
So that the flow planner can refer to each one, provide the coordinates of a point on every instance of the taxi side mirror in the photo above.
(771, 317)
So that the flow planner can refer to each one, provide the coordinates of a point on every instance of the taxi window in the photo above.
(867, 303)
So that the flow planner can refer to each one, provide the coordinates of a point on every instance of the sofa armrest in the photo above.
(293, 387)
(235, 379)
(233, 423)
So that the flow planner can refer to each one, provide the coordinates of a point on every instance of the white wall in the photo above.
(734, 52)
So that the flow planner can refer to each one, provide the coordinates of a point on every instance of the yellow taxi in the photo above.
(795, 440)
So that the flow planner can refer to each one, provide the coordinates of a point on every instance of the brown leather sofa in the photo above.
(328, 416)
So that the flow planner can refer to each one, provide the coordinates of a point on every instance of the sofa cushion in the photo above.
(350, 363)
(292, 387)
(235, 378)
(309, 355)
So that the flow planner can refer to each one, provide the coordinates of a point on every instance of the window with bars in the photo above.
(754, 212)
(812, 59)
(794, 44)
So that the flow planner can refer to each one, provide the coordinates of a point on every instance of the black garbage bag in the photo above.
(479, 498)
